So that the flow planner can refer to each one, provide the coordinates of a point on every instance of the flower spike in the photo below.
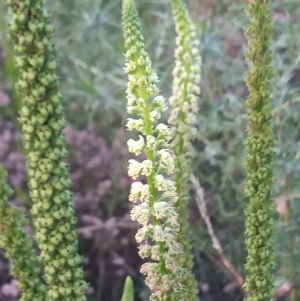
(42, 122)
(18, 246)
(184, 109)
(259, 282)
(154, 194)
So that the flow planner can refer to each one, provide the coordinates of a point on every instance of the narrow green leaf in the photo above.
(128, 290)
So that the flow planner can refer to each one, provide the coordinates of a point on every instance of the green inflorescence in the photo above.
(41, 118)
(184, 110)
(18, 246)
(259, 166)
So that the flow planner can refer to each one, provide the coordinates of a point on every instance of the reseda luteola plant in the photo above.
(259, 143)
(19, 247)
(156, 212)
(163, 237)
(184, 108)
(42, 122)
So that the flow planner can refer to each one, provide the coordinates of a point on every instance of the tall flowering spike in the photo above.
(184, 108)
(259, 143)
(154, 193)
(18, 247)
(42, 122)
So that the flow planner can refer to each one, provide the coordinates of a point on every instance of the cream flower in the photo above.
(161, 235)
(164, 131)
(141, 213)
(155, 116)
(143, 233)
(167, 159)
(145, 250)
(134, 169)
(135, 124)
(136, 146)
(150, 142)
(147, 167)
(135, 191)
(164, 184)
(162, 209)
(145, 193)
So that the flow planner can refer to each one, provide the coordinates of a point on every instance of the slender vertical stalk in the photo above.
(259, 283)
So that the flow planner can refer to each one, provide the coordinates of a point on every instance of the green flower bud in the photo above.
(22, 84)
(51, 65)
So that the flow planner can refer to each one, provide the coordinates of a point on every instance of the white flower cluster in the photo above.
(162, 286)
(154, 200)
(186, 80)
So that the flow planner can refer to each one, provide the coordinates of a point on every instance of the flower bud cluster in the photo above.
(186, 76)
(18, 246)
(41, 118)
(154, 194)
(184, 109)
(260, 264)
(184, 99)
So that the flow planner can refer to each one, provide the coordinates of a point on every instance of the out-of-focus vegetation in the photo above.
(90, 50)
